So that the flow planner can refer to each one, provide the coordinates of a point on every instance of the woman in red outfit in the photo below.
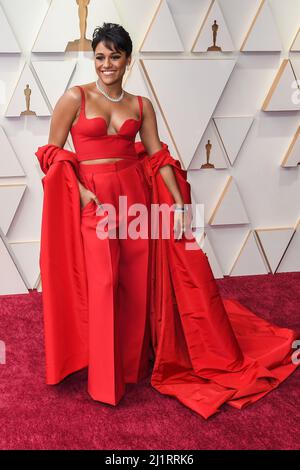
(103, 120)
(128, 300)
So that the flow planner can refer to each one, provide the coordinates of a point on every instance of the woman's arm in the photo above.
(150, 139)
(63, 116)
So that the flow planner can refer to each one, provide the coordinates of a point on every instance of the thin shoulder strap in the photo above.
(82, 104)
(141, 107)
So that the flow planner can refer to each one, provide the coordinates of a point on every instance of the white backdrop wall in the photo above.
(240, 98)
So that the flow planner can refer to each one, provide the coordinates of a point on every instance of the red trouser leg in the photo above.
(134, 277)
(118, 277)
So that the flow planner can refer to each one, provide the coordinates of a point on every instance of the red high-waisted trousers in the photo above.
(118, 272)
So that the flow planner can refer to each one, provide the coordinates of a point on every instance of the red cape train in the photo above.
(207, 350)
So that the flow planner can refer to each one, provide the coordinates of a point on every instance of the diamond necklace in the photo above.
(107, 96)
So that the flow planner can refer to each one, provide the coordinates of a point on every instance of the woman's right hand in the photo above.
(86, 196)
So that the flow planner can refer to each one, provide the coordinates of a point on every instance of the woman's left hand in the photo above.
(182, 222)
(179, 223)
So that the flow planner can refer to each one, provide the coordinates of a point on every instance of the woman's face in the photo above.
(112, 62)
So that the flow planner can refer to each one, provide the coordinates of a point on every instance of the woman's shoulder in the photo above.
(145, 101)
(75, 92)
(75, 89)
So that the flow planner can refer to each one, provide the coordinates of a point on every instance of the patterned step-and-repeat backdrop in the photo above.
(224, 79)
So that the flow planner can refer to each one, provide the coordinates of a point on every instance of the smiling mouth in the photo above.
(108, 72)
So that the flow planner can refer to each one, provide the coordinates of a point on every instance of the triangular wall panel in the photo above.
(205, 38)
(263, 35)
(233, 132)
(10, 280)
(210, 151)
(18, 103)
(250, 260)
(280, 96)
(9, 163)
(206, 187)
(230, 208)
(232, 238)
(168, 78)
(274, 242)
(162, 34)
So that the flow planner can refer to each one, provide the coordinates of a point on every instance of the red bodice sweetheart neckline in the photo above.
(91, 139)
(101, 118)
(82, 114)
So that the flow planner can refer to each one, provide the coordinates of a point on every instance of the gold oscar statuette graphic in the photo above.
(214, 28)
(27, 93)
(208, 147)
(82, 44)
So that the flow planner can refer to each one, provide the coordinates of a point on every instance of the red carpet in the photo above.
(38, 416)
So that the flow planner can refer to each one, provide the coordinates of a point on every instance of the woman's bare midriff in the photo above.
(102, 160)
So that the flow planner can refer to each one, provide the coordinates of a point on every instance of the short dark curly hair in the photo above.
(112, 33)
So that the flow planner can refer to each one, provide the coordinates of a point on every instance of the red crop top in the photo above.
(91, 140)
